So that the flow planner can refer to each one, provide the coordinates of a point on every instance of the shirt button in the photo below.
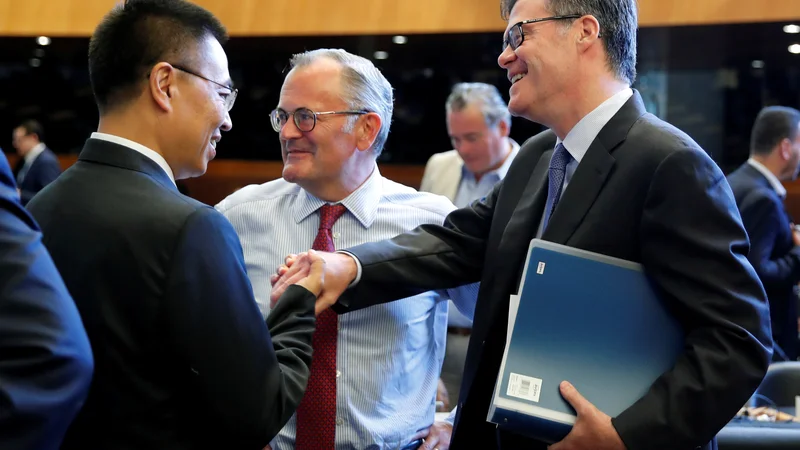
(338, 374)
(336, 235)
(339, 421)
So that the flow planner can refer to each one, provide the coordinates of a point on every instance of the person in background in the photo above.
(609, 178)
(38, 166)
(374, 377)
(774, 242)
(478, 123)
(46, 362)
(183, 358)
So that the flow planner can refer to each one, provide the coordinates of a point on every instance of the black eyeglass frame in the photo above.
(507, 41)
(275, 120)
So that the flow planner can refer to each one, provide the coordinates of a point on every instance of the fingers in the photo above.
(574, 398)
(421, 434)
(315, 274)
(289, 259)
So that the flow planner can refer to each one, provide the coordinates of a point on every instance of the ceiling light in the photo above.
(757, 64)
(380, 54)
(794, 48)
(35, 62)
(43, 40)
(399, 39)
(791, 29)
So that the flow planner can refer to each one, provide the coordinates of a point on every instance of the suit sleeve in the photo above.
(427, 258)
(694, 248)
(46, 362)
(762, 219)
(250, 382)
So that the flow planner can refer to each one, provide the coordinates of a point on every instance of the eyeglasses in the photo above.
(304, 118)
(516, 37)
(229, 99)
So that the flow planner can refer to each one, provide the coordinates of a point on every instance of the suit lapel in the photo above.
(452, 178)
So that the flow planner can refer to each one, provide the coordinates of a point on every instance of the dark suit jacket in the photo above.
(184, 359)
(644, 192)
(44, 169)
(772, 251)
(45, 358)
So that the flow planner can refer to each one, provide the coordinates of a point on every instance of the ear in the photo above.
(161, 85)
(786, 149)
(589, 31)
(367, 129)
(504, 127)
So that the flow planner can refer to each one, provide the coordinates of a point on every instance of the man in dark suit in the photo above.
(38, 166)
(184, 359)
(45, 358)
(619, 182)
(774, 250)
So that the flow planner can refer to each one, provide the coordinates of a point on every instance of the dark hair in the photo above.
(618, 24)
(138, 34)
(33, 127)
(773, 125)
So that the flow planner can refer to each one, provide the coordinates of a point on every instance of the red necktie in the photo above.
(316, 415)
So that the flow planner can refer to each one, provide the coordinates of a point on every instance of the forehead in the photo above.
(316, 86)
(213, 59)
(526, 10)
(470, 117)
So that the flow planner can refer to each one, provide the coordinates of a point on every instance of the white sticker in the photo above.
(527, 388)
(540, 268)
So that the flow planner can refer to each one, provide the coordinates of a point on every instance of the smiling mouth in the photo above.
(517, 77)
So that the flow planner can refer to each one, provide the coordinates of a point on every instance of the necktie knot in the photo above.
(329, 214)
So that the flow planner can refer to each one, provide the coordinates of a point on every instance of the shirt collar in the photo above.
(582, 135)
(361, 203)
(31, 156)
(501, 171)
(152, 154)
(771, 178)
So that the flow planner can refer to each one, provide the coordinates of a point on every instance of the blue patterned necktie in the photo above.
(558, 170)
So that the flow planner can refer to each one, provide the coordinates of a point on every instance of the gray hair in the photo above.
(485, 96)
(618, 24)
(363, 87)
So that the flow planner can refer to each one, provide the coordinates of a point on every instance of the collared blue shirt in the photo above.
(389, 356)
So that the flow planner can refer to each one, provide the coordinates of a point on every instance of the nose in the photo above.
(506, 57)
(227, 124)
(289, 130)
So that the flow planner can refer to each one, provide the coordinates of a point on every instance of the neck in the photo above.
(348, 182)
(131, 127)
(506, 144)
(775, 167)
(582, 100)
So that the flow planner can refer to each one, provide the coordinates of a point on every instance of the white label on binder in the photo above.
(527, 388)
(540, 268)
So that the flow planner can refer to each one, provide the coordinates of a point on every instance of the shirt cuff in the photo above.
(358, 267)
(451, 419)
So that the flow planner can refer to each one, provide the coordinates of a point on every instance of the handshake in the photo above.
(326, 275)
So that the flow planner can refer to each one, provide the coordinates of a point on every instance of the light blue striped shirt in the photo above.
(389, 356)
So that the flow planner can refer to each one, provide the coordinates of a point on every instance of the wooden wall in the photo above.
(320, 17)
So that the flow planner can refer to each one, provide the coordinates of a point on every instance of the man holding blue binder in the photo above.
(608, 178)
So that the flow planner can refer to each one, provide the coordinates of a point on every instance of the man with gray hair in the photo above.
(478, 123)
(374, 372)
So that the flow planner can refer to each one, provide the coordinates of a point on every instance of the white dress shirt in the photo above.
(151, 154)
(771, 178)
(582, 135)
(388, 356)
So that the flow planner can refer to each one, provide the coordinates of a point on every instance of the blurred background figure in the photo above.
(45, 359)
(774, 242)
(478, 123)
(38, 166)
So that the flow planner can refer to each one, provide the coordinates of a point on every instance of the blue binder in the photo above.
(590, 319)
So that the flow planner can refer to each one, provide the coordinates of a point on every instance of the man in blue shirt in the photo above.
(478, 123)
(374, 373)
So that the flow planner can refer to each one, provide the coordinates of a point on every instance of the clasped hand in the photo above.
(338, 271)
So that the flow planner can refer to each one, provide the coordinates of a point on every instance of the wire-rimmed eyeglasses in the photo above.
(304, 118)
(229, 99)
